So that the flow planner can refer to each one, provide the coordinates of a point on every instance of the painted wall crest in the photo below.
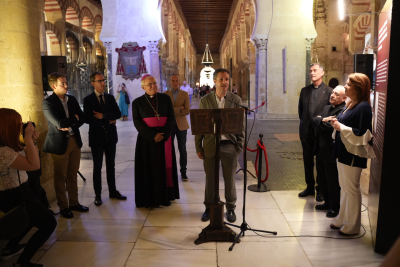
(131, 63)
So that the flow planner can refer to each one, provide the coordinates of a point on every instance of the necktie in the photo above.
(101, 102)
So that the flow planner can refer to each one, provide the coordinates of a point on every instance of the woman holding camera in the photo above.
(14, 162)
(352, 147)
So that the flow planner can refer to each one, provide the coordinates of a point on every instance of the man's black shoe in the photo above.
(7, 254)
(166, 204)
(117, 195)
(97, 200)
(79, 207)
(66, 213)
(307, 192)
(231, 216)
(206, 215)
(319, 197)
(322, 207)
(332, 213)
(184, 177)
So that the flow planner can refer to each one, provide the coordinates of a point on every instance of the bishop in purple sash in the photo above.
(156, 178)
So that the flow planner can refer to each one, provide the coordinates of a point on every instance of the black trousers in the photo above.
(40, 217)
(181, 137)
(97, 153)
(328, 181)
(308, 159)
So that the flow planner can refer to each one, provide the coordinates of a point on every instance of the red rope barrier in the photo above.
(262, 147)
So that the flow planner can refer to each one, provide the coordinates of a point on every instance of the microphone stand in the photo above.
(244, 226)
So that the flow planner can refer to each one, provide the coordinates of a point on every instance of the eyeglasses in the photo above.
(63, 84)
(151, 84)
(100, 81)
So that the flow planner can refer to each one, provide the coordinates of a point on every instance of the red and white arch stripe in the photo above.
(51, 6)
(87, 19)
(360, 2)
(87, 24)
(361, 25)
(72, 16)
(52, 33)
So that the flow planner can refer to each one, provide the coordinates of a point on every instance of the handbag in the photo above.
(16, 220)
(127, 101)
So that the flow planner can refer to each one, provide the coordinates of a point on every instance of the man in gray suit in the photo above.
(230, 146)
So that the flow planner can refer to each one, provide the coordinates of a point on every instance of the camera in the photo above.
(24, 125)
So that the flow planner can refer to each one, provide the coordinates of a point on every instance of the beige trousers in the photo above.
(349, 218)
(66, 169)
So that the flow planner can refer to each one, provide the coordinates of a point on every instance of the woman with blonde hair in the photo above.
(353, 145)
(14, 162)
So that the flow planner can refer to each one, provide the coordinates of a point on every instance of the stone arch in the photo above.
(72, 46)
(53, 37)
(361, 25)
(87, 24)
(85, 12)
(49, 27)
(70, 4)
(98, 20)
(98, 28)
(71, 16)
(87, 43)
(99, 51)
(52, 10)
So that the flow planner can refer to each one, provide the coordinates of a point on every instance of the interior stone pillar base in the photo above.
(20, 73)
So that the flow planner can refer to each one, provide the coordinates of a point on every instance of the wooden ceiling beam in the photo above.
(197, 12)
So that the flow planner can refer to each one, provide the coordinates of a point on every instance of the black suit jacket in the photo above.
(304, 100)
(101, 131)
(324, 130)
(56, 140)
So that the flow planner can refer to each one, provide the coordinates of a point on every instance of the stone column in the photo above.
(309, 42)
(20, 72)
(261, 70)
(155, 62)
(252, 76)
(108, 46)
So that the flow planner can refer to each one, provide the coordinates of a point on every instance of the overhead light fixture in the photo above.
(81, 63)
(207, 58)
(341, 9)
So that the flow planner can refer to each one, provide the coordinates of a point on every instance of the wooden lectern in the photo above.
(216, 122)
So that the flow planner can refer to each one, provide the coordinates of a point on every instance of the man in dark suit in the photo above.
(327, 172)
(230, 146)
(313, 98)
(101, 112)
(63, 141)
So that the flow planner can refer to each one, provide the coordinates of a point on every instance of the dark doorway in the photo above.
(333, 83)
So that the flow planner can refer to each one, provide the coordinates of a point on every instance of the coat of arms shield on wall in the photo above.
(131, 63)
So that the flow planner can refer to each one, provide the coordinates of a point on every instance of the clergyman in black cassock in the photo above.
(326, 165)
(156, 178)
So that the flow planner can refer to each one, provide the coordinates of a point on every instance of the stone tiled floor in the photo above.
(118, 234)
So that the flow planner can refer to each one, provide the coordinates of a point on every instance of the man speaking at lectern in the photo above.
(230, 146)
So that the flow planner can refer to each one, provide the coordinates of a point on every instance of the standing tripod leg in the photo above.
(83, 178)
(236, 240)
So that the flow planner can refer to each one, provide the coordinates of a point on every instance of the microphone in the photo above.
(244, 107)
(262, 104)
